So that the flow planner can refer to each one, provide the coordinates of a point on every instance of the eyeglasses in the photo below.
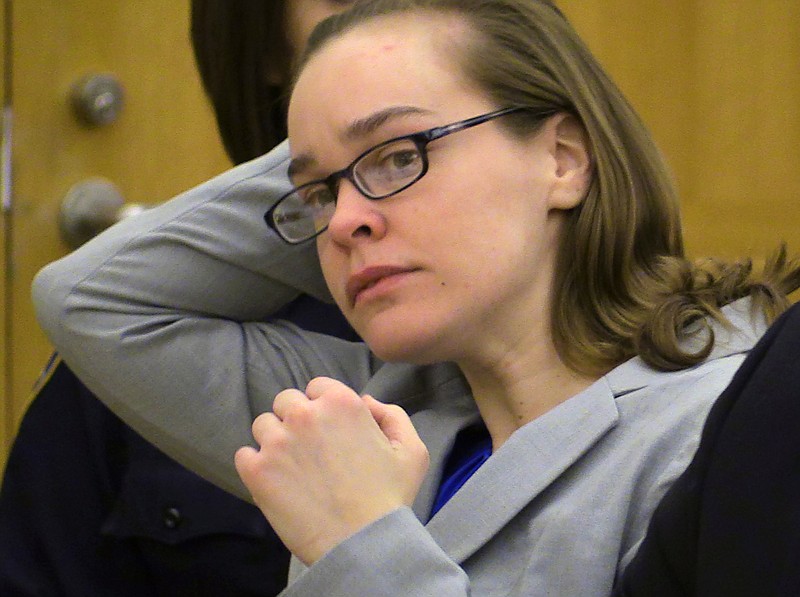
(379, 172)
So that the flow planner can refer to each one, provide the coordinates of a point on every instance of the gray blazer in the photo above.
(164, 317)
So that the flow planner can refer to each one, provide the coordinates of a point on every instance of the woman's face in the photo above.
(303, 15)
(462, 260)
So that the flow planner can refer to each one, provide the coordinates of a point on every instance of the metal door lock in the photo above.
(97, 99)
(90, 207)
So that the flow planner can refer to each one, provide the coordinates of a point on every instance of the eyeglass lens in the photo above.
(384, 170)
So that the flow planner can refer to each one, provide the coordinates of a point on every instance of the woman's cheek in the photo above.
(334, 271)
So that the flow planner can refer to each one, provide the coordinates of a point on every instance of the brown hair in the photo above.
(623, 286)
(236, 44)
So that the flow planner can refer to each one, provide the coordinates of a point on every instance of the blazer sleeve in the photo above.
(165, 317)
(394, 555)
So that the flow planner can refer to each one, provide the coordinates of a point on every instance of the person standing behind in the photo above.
(89, 508)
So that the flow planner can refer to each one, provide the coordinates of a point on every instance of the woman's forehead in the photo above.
(386, 62)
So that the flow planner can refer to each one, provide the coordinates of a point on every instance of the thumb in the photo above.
(396, 425)
(393, 422)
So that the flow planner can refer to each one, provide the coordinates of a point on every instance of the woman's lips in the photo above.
(369, 277)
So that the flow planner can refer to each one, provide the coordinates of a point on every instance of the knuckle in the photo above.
(261, 425)
(273, 444)
(317, 386)
(336, 394)
(248, 465)
(286, 397)
(301, 413)
(345, 398)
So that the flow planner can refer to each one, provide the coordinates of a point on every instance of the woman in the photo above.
(506, 240)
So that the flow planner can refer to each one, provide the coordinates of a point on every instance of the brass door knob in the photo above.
(90, 207)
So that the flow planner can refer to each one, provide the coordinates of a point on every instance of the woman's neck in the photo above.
(520, 387)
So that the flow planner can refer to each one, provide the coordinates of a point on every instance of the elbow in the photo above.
(49, 299)
(53, 294)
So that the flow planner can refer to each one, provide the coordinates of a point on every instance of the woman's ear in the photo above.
(573, 161)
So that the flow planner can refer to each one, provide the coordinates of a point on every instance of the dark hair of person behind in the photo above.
(240, 47)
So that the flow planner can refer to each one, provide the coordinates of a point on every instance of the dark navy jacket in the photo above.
(88, 508)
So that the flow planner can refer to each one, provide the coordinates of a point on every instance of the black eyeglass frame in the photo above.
(420, 140)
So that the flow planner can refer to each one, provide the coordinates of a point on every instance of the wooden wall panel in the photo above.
(743, 187)
(718, 82)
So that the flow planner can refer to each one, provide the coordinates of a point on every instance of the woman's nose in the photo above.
(355, 216)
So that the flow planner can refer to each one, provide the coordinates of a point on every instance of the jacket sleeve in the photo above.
(164, 317)
(394, 555)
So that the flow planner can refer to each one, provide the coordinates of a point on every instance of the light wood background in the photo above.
(718, 82)
(164, 142)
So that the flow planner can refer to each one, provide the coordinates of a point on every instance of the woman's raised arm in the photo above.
(163, 317)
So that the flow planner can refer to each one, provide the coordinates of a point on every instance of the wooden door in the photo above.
(5, 217)
(163, 141)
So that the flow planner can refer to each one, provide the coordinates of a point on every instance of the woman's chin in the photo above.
(404, 346)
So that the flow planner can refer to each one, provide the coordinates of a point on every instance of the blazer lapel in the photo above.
(538, 453)
(532, 458)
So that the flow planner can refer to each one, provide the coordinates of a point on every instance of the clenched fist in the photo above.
(330, 462)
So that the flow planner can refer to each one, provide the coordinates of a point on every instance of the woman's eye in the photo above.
(404, 159)
(400, 162)
(316, 197)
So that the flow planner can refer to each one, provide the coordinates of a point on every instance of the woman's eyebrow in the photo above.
(356, 130)
(369, 124)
